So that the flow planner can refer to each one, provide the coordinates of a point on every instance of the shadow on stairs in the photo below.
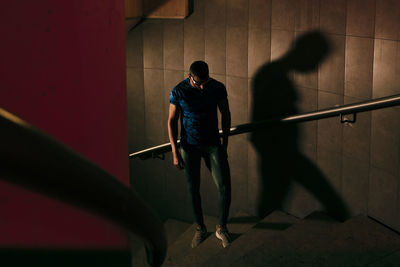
(281, 239)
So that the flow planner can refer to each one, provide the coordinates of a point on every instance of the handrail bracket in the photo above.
(351, 119)
(158, 156)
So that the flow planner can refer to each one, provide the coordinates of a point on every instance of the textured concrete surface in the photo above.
(283, 240)
(283, 249)
(272, 225)
(391, 260)
(314, 242)
(357, 242)
(182, 246)
(236, 38)
(237, 226)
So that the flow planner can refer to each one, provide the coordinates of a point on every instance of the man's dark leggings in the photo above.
(217, 162)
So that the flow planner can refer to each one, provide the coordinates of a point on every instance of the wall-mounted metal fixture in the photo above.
(351, 118)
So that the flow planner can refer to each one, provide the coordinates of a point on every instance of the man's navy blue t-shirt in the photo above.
(199, 125)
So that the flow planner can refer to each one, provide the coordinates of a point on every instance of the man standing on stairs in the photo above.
(196, 100)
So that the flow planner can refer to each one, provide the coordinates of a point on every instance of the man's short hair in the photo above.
(199, 69)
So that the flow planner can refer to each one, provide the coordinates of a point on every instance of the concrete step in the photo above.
(275, 223)
(173, 229)
(212, 246)
(283, 240)
(182, 246)
(282, 249)
(359, 241)
(391, 260)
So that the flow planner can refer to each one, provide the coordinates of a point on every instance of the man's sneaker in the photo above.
(199, 236)
(223, 235)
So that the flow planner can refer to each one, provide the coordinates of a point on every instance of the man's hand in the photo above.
(178, 161)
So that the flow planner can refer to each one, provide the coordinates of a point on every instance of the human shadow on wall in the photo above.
(279, 160)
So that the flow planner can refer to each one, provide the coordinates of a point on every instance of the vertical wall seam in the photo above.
(164, 184)
(163, 64)
(204, 28)
(270, 30)
(144, 86)
(248, 115)
(186, 198)
(226, 41)
(371, 121)
(318, 88)
(344, 88)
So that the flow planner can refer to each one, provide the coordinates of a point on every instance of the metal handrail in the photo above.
(31, 159)
(354, 108)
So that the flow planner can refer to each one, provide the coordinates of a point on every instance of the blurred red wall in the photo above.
(62, 69)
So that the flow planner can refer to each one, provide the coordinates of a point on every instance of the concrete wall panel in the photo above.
(134, 49)
(237, 96)
(355, 184)
(259, 49)
(155, 109)
(215, 36)
(136, 108)
(237, 13)
(236, 51)
(237, 152)
(260, 14)
(359, 67)
(387, 19)
(333, 16)
(307, 15)
(283, 15)
(360, 19)
(385, 142)
(330, 163)
(386, 68)
(383, 192)
(194, 46)
(331, 72)
(173, 45)
(215, 49)
(153, 45)
(281, 41)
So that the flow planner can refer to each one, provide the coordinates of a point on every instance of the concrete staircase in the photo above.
(284, 240)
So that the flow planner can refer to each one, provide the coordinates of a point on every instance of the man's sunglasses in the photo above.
(198, 83)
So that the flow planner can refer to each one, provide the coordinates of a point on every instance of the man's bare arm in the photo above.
(173, 135)
(223, 106)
